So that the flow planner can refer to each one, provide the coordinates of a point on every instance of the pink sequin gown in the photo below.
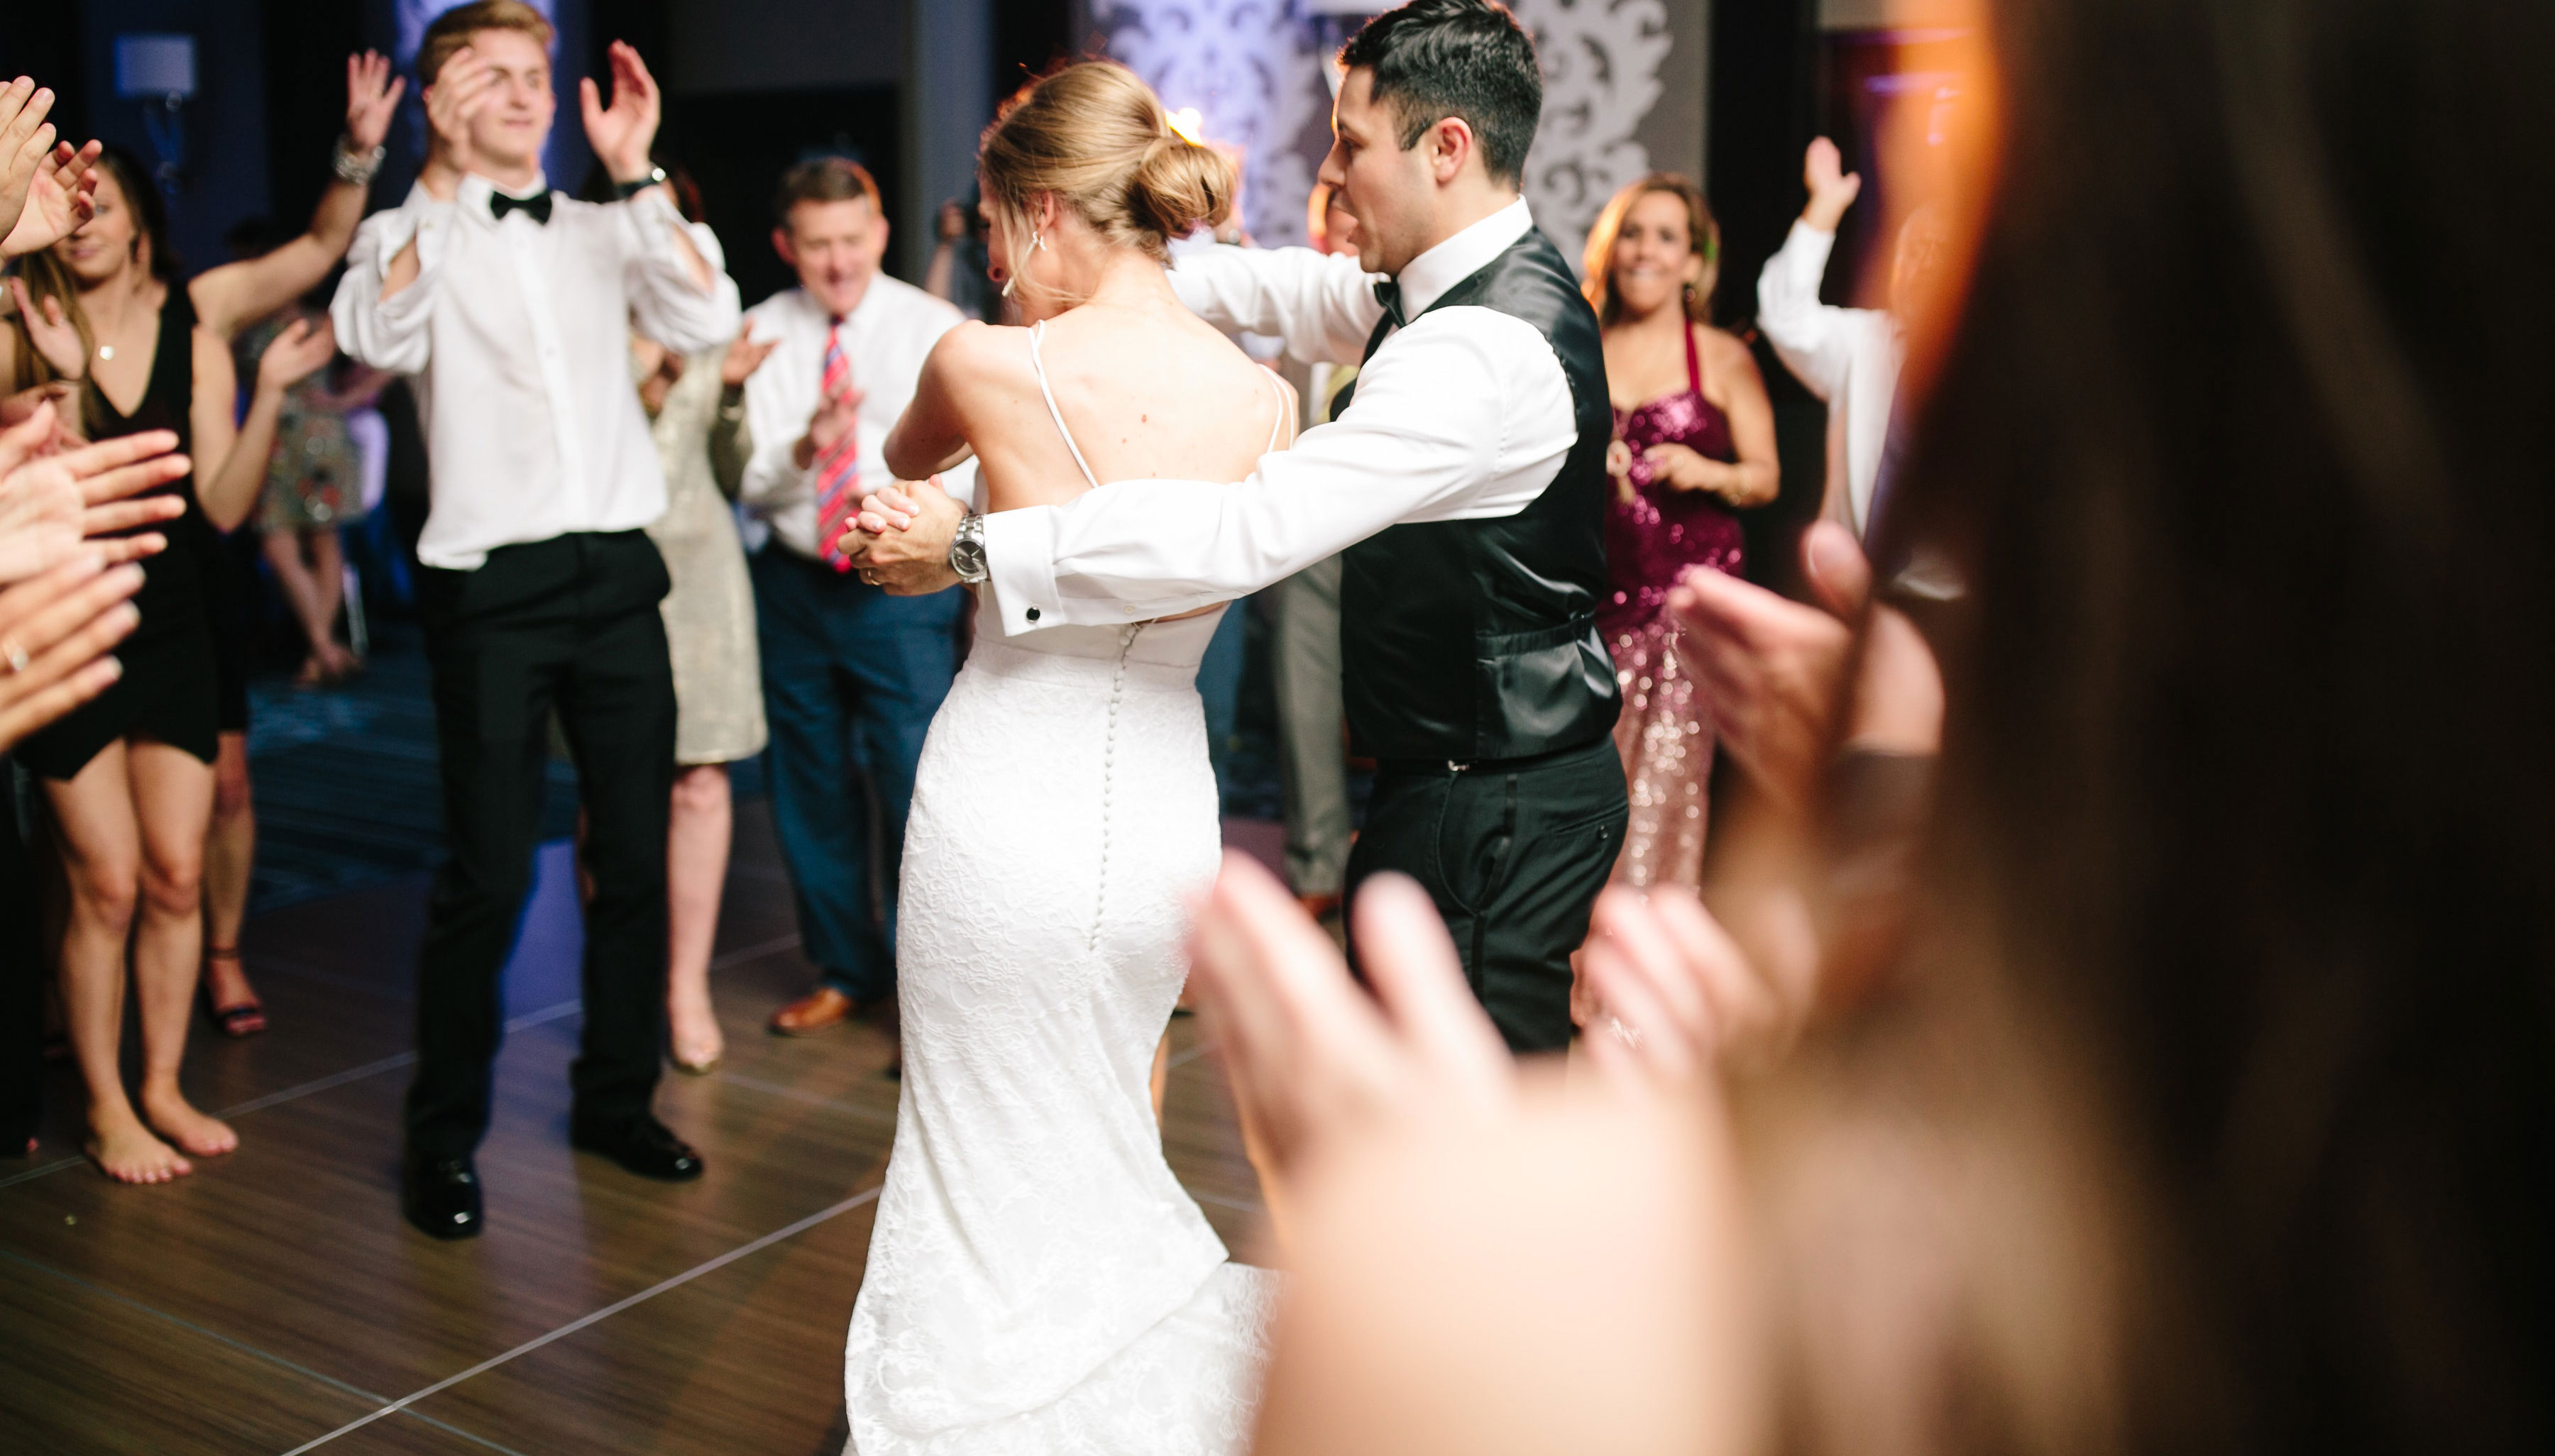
(1667, 732)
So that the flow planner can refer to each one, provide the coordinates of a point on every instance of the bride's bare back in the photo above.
(1147, 389)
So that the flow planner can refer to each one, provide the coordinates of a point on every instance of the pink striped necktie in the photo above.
(838, 471)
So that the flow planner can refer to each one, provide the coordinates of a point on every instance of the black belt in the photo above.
(1482, 766)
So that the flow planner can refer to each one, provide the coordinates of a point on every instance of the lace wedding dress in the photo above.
(1038, 1283)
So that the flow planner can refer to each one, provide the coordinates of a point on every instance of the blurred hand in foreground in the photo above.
(54, 632)
(52, 502)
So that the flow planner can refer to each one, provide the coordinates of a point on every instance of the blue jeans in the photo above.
(851, 677)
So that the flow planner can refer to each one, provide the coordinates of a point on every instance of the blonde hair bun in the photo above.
(1181, 184)
(1097, 140)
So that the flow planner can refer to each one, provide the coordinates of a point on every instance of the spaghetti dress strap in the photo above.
(1038, 366)
(1274, 431)
(1693, 364)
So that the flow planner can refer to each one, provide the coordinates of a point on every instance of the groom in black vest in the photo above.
(1465, 476)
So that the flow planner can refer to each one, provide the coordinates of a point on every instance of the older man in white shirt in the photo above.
(512, 307)
(851, 676)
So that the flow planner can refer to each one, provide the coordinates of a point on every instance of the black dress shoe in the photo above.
(643, 1144)
(440, 1196)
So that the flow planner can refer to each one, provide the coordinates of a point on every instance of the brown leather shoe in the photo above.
(820, 1009)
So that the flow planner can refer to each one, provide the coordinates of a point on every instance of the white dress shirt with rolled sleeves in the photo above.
(1847, 357)
(1463, 415)
(518, 334)
(887, 336)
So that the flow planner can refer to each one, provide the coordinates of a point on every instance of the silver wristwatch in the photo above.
(967, 552)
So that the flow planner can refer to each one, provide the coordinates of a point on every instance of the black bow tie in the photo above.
(537, 207)
(1388, 292)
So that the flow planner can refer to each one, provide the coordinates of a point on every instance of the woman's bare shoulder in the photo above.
(1721, 343)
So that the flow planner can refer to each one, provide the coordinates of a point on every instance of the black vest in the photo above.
(1466, 640)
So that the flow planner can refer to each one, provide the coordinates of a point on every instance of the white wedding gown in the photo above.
(1038, 1283)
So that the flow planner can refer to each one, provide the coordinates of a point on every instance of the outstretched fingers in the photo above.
(1412, 965)
(1307, 1052)
(54, 631)
(114, 468)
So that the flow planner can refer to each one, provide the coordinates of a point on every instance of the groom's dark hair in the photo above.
(1435, 59)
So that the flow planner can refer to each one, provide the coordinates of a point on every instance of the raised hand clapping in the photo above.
(47, 189)
(1832, 189)
(461, 91)
(372, 100)
(622, 134)
(52, 331)
(745, 354)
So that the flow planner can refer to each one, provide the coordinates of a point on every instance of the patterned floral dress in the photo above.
(1666, 731)
(313, 480)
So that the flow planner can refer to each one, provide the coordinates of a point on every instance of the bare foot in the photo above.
(694, 1030)
(125, 1151)
(190, 1129)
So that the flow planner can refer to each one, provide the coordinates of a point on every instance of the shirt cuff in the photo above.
(1020, 555)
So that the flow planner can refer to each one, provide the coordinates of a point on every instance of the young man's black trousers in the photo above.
(567, 625)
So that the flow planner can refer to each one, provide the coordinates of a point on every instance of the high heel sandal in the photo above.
(238, 1021)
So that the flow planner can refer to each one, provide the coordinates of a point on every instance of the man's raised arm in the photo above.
(1451, 422)
(1318, 303)
(386, 301)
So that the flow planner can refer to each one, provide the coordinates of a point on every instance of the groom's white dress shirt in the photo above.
(887, 337)
(1462, 415)
(518, 333)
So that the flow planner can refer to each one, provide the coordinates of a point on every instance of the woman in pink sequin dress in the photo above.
(1694, 437)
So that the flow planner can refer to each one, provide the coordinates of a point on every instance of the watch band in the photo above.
(967, 550)
(629, 189)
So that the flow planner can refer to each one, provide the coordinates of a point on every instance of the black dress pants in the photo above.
(569, 623)
(1513, 854)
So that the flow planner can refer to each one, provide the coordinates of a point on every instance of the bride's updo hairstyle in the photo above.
(1096, 139)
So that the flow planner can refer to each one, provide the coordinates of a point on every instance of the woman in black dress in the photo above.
(130, 777)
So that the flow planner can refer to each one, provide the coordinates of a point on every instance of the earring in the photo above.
(1038, 244)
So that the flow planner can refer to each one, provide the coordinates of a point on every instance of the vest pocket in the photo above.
(1542, 690)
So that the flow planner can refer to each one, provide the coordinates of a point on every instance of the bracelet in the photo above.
(356, 167)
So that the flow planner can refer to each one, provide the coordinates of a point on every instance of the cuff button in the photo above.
(1031, 613)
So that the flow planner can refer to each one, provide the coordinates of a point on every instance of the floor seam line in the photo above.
(743, 953)
(231, 1342)
(812, 1099)
(333, 1080)
(596, 1317)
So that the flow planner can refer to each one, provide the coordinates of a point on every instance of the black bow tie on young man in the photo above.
(537, 207)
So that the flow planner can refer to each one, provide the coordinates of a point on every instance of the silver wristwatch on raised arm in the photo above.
(967, 550)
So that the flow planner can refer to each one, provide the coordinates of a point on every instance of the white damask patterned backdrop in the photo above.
(1254, 70)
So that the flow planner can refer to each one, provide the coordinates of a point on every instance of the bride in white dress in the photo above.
(1038, 1283)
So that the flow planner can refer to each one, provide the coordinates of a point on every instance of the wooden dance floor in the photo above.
(275, 1302)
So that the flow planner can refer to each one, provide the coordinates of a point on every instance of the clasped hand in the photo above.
(901, 540)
